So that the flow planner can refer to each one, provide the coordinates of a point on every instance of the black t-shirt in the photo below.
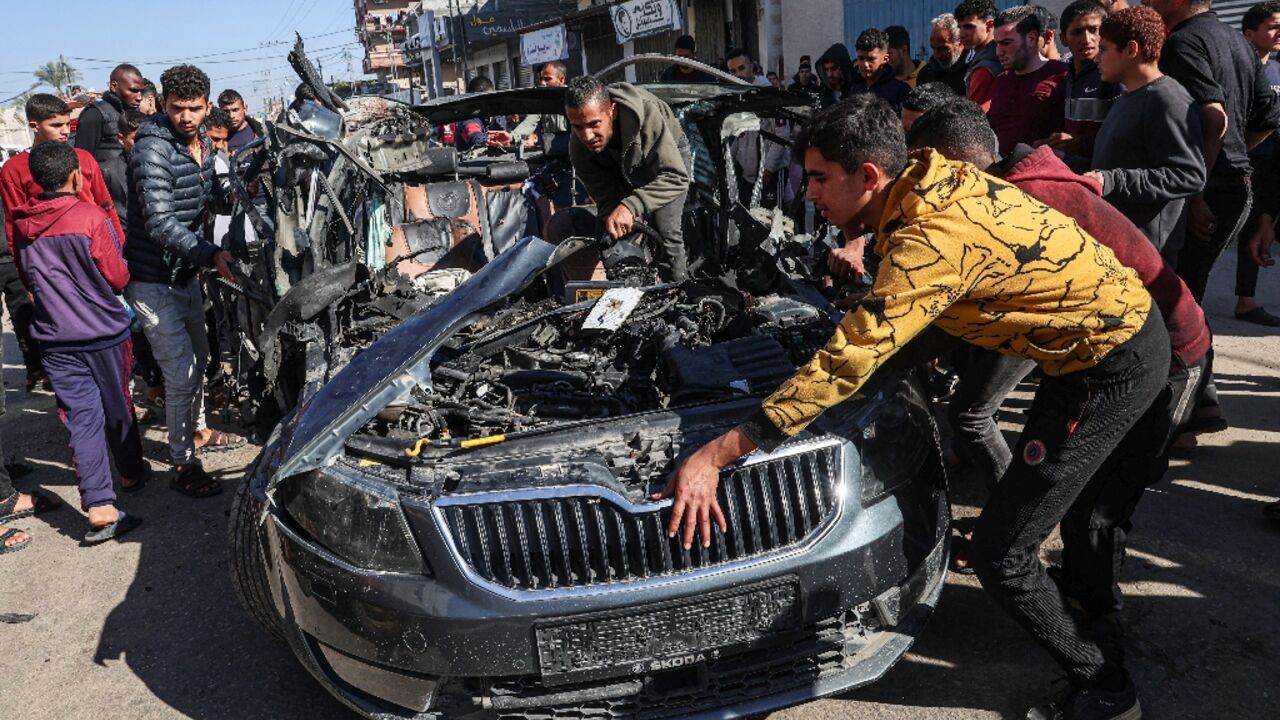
(1217, 65)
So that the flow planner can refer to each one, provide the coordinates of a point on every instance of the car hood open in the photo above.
(389, 369)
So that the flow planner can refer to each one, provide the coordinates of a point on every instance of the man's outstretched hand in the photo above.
(619, 222)
(694, 483)
(223, 262)
(1259, 244)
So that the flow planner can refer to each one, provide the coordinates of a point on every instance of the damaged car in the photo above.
(454, 520)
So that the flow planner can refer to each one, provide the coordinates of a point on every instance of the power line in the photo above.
(200, 57)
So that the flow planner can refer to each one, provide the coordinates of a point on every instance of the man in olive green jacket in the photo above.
(632, 155)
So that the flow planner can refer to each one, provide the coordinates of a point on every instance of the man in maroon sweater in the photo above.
(1100, 515)
(1029, 100)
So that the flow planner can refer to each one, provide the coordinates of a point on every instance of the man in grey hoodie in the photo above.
(633, 156)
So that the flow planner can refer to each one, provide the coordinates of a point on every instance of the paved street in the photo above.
(149, 628)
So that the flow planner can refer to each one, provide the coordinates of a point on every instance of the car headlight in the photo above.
(356, 518)
(893, 449)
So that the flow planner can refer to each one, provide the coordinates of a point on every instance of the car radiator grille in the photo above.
(554, 542)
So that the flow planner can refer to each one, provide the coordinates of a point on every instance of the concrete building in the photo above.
(382, 27)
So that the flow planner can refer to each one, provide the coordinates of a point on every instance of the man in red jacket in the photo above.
(69, 255)
(1095, 529)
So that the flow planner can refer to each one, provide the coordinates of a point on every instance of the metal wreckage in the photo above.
(478, 397)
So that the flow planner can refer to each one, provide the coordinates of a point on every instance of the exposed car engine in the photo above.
(537, 364)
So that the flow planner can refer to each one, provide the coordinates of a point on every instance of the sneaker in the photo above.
(1091, 704)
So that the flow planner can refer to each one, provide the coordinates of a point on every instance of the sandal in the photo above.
(123, 524)
(138, 484)
(5, 547)
(41, 503)
(194, 482)
(219, 441)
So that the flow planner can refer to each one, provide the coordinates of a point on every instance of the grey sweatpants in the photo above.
(173, 320)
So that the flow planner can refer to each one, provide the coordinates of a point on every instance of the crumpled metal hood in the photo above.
(390, 368)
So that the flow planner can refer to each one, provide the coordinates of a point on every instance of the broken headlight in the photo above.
(893, 449)
(354, 517)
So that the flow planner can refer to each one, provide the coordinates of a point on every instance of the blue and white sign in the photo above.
(639, 18)
(545, 45)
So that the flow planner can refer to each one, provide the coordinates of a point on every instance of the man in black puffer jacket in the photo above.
(171, 194)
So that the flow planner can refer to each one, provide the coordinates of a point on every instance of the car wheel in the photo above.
(244, 558)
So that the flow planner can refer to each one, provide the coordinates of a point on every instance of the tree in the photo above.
(19, 101)
(58, 74)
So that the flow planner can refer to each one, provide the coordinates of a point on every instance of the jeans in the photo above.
(1230, 203)
(985, 383)
(1246, 270)
(173, 321)
(1075, 423)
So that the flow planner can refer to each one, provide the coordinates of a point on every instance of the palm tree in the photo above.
(58, 74)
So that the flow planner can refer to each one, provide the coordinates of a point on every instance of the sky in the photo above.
(240, 44)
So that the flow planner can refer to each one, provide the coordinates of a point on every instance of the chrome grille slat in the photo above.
(555, 537)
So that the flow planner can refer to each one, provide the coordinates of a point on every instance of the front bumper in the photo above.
(392, 645)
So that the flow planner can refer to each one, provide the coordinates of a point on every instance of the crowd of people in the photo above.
(1057, 212)
(107, 237)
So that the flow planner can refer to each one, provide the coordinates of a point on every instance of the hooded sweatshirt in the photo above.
(984, 262)
(69, 256)
(18, 188)
(641, 167)
(839, 54)
(1045, 177)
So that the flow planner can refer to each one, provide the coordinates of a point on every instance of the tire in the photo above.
(244, 559)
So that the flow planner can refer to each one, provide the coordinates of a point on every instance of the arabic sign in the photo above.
(543, 46)
(501, 19)
(639, 18)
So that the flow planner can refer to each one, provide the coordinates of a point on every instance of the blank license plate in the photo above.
(665, 636)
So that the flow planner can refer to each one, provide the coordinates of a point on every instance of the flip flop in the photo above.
(15, 547)
(1259, 316)
(137, 484)
(122, 525)
(41, 503)
(220, 441)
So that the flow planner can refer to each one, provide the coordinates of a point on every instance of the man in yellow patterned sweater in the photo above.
(990, 265)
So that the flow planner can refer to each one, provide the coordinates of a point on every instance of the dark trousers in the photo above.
(20, 308)
(1246, 270)
(1230, 203)
(985, 382)
(6, 483)
(92, 388)
(1075, 423)
(1095, 530)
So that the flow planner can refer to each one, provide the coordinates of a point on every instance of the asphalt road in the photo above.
(149, 628)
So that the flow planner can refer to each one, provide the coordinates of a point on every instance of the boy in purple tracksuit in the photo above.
(70, 258)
